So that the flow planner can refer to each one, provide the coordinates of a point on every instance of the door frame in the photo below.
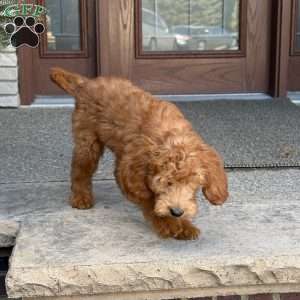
(25, 63)
(282, 26)
(280, 53)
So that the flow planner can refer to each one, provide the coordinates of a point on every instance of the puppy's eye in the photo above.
(170, 183)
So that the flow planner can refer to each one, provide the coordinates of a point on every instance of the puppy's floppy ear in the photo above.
(215, 187)
(68, 81)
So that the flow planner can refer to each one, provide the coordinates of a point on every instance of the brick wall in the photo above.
(291, 296)
(9, 93)
(4, 256)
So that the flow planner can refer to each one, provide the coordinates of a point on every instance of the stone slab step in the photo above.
(25, 200)
(251, 244)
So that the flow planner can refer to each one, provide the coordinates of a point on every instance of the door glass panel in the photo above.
(190, 25)
(298, 27)
(63, 23)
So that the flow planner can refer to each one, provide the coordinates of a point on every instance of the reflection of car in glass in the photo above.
(204, 38)
(156, 36)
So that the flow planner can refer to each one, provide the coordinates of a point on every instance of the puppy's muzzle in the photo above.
(176, 212)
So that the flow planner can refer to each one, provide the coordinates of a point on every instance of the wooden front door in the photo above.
(170, 46)
(294, 59)
(187, 46)
(69, 42)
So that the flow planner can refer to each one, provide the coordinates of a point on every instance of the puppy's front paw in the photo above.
(189, 231)
(82, 201)
(168, 227)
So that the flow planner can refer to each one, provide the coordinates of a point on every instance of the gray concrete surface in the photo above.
(254, 239)
(36, 145)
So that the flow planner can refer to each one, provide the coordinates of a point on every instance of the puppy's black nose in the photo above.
(176, 212)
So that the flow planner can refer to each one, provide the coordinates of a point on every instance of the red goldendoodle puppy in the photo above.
(161, 162)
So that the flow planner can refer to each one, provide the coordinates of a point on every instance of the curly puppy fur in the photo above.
(161, 162)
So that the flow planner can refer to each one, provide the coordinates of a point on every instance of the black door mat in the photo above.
(36, 144)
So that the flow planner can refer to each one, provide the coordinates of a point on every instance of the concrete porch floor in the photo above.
(249, 245)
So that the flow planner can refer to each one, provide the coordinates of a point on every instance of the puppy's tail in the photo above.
(70, 82)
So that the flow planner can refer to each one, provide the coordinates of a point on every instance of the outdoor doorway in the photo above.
(171, 47)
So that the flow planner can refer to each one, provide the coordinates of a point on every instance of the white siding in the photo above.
(9, 93)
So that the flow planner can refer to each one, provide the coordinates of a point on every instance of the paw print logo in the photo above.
(24, 31)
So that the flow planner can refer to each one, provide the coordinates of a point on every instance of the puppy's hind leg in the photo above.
(86, 154)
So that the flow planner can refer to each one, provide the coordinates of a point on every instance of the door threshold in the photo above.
(213, 97)
(52, 102)
(66, 101)
(294, 97)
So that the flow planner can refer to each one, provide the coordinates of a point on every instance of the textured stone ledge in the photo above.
(266, 292)
(157, 276)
